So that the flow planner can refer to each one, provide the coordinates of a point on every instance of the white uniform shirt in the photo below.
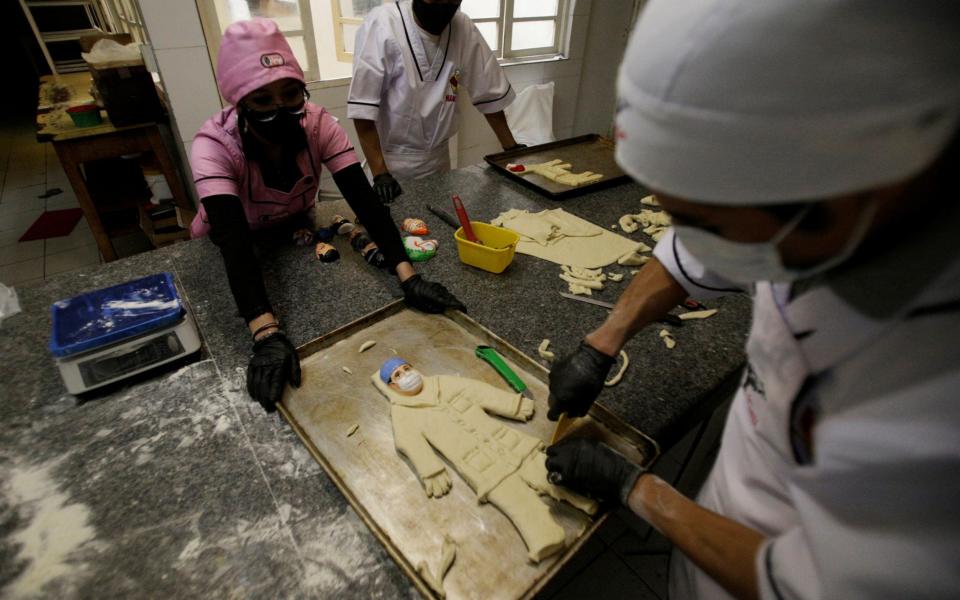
(409, 85)
(842, 445)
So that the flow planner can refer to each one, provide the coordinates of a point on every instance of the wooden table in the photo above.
(77, 145)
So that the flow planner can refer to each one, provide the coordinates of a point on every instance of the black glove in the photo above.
(386, 187)
(593, 468)
(274, 363)
(576, 380)
(429, 296)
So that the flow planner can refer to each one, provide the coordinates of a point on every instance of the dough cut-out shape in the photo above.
(559, 237)
(623, 369)
(615, 276)
(451, 417)
(347, 370)
(698, 314)
(543, 352)
(558, 171)
(367, 345)
(650, 200)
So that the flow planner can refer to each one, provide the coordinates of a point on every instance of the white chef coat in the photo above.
(842, 445)
(408, 84)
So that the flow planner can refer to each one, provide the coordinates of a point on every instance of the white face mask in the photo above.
(411, 381)
(743, 262)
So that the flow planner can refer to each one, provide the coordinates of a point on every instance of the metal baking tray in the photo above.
(591, 152)
(491, 559)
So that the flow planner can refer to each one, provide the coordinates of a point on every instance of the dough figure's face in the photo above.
(406, 380)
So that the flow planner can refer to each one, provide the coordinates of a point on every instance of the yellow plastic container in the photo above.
(497, 250)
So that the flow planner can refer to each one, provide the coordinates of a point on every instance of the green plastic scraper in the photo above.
(496, 361)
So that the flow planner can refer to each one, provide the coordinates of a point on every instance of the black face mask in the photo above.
(284, 129)
(434, 17)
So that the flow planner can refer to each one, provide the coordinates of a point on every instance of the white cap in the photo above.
(746, 102)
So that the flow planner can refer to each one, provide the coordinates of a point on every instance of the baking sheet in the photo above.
(589, 152)
(491, 556)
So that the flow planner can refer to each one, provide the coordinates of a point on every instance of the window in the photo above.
(292, 16)
(322, 32)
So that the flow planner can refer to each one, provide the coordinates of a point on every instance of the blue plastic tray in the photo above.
(103, 317)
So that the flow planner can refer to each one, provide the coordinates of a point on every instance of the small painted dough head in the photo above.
(401, 377)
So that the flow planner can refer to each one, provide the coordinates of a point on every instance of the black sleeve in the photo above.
(374, 216)
(230, 232)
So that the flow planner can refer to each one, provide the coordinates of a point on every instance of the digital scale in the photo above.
(107, 335)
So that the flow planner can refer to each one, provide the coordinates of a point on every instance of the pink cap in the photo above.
(252, 54)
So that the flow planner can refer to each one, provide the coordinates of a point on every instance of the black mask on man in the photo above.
(434, 17)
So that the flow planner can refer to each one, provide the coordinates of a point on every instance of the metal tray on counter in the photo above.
(345, 423)
(591, 152)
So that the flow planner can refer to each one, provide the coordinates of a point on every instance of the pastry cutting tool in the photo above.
(666, 319)
(564, 424)
(496, 361)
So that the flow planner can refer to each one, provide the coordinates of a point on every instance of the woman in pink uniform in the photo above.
(257, 165)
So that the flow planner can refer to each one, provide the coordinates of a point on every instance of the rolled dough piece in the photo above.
(347, 370)
(367, 345)
(543, 352)
(623, 368)
(565, 239)
(698, 314)
(628, 223)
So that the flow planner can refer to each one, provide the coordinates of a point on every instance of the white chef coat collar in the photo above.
(919, 275)
(428, 67)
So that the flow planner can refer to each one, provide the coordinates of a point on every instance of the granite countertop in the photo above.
(179, 485)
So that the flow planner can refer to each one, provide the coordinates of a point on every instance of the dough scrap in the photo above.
(347, 370)
(623, 368)
(587, 283)
(353, 429)
(667, 338)
(575, 288)
(367, 345)
(447, 556)
(650, 200)
(582, 273)
(698, 314)
(633, 259)
(543, 352)
(559, 237)
(558, 171)
(615, 276)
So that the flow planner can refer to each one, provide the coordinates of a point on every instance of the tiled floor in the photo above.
(28, 169)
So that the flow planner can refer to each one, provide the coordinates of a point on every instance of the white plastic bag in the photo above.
(108, 53)
(530, 116)
(9, 303)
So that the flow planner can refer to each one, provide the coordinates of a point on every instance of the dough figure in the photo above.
(559, 171)
(448, 415)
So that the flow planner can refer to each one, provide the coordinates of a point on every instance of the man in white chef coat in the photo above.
(809, 155)
(410, 60)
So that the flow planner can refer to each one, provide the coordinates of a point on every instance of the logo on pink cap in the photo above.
(271, 60)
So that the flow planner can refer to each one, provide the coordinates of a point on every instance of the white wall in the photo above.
(182, 59)
(596, 40)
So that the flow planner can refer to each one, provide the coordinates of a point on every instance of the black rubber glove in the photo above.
(429, 296)
(593, 468)
(576, 380)
(274, 363)
(386, 187)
